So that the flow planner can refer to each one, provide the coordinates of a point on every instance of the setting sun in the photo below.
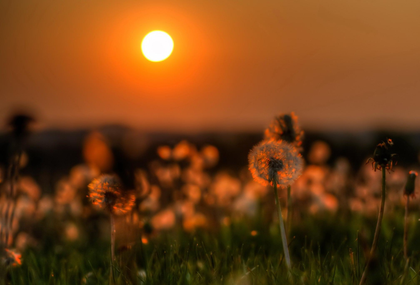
(157, 46)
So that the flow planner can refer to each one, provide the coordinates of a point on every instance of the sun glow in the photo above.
(157, 46)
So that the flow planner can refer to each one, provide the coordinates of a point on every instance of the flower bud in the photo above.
(411, 182)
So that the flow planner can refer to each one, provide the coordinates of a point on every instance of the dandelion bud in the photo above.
(411, 182)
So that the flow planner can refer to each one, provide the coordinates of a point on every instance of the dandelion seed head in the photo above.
(285, 127)
(107, 192)
(275, 161)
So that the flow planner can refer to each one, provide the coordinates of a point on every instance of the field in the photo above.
(325, 250)
(199, 217)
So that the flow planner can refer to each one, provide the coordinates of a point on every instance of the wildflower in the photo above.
(411, 181)
(71, 232)
(107, 192)
(383, 160)
(182, 150)
(210, 155)
(97, 152)
(225, 188)
(382, 156)
(277, 160)
(164, 152)
(12, 258)
(164, 220)
(285, 127)
(19, 124)
(196, 220)
(23, 241)
(319, 153)
(277, 163)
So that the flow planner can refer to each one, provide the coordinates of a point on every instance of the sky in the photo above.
(339, 65)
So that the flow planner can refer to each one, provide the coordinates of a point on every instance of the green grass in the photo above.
(320, 249)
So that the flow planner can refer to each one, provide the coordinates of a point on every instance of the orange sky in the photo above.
(338, 64)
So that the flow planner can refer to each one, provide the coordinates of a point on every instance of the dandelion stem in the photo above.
(281, 223)
(289, 210)
(378, 228)
(13, 184)
(406, 227)
(111, 276)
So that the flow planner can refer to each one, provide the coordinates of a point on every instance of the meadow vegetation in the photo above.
(286, 218)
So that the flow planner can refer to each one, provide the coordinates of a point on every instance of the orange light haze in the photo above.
(336, 64)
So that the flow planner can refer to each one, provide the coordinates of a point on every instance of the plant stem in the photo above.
(406, 227)
(405, 271)
(282, 230)
(13, 184)
(378, 228)
(289, 210)
(111, 275)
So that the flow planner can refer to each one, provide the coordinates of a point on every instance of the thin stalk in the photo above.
(407, 261)
(289, 210)
(282, 230)
(406, 228)
(111, 275)
(378, 228)
(13, 175)
(13, 190)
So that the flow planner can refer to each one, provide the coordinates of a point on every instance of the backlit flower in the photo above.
(383, 156)
(210, 155)
(285, 127)
(164, 220)
(319, 153)
(275, 160)
(107, 192)
(12, 258)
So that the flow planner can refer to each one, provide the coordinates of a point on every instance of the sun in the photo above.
(157, 46)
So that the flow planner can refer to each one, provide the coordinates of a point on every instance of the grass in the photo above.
(325, 249)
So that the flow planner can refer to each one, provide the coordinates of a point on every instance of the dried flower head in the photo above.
(20, 123)
(383, 156)
(411, 183)
(285, 127)
(12, 258)
(275, 160)
(107, 192)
